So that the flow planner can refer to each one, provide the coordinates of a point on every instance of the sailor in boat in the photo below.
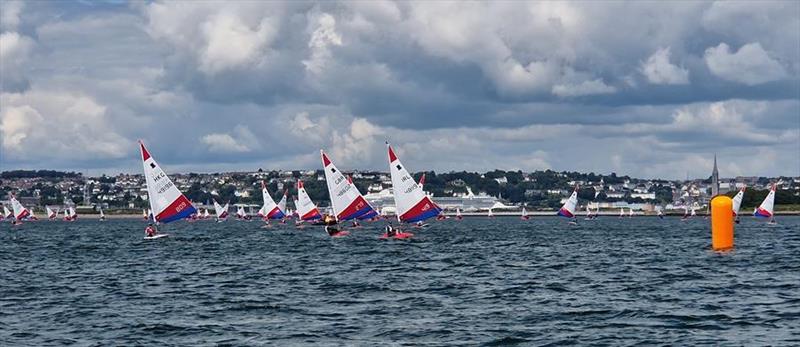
(355, 223)
(330, 226)
(390, 230)
(150, 231)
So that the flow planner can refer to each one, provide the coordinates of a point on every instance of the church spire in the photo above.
(715, 178)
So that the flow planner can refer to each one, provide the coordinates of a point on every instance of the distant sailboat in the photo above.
(282, 203)
(660, 214)
(240, 214)
(766, 209)
(32, 216)
(346, 201)
(102, 215)
(524, 214)
(145, 215)
(221, 212)
(621, 212)
(630, 212)
(588, 213)
(67, 217)
(20, 211)
(490, 214)
(7, 214)
(685, 212)
(50, 213)
(568, 210)
(411, 202)
(458, 214)
(270, 209)
(73, 215)
(167, 203)
(737, 203)
(306, 209)
(694, 213)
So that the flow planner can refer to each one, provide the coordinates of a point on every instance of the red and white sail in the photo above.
(240, 212)
(306, 209)
(737, 201)
(220, 211)
(568, 210)
(458, 213)
(270, 209)
(20, 211)
(166, 201)
(411, 202)
(73, 215)
(766, 209)
(50, 213)
(346, 201)
(282, 203)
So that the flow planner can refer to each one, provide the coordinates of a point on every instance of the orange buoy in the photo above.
(721, 223)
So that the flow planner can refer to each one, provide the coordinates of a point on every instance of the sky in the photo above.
(647, 89)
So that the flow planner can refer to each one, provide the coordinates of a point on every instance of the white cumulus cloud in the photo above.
(658, 69)
(750, 65)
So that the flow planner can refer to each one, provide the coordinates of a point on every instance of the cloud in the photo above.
(750, 65)
(15, 50)
(455, 86)
(584, 88)
(323, 35)
(658, 70)
(57, 125)
(10, 14)
(242, 140)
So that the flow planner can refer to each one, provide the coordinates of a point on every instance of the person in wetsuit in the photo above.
(330, 226)
(390, 230)
(150, 231)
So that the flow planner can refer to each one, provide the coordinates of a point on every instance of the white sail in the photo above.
(588, 211)
(270, 209)
(411, 202)
(306, 209)
(20, 211)
(737, 201)
(282, 203)
(50, 213)
(490, 214)
(166, 201)
(568, 210)
(346, 201)
(221, 212)
(630, 212)
(524, 212)
(621, 212)
(766, 209)
(102, 215)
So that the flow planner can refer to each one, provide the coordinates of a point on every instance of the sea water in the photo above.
(480, 281)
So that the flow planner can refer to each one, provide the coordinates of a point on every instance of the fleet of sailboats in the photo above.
(412, 204)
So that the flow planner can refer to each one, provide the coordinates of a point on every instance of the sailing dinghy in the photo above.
(737, 203)
(50, 213)
(568, 210)
(220, 211)
(20, 211)
(346, 201)
(413, 206)
(166, 201)
(765, 210)
(458, 214)
(270, 209)
(306, 209)
(524, 214)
